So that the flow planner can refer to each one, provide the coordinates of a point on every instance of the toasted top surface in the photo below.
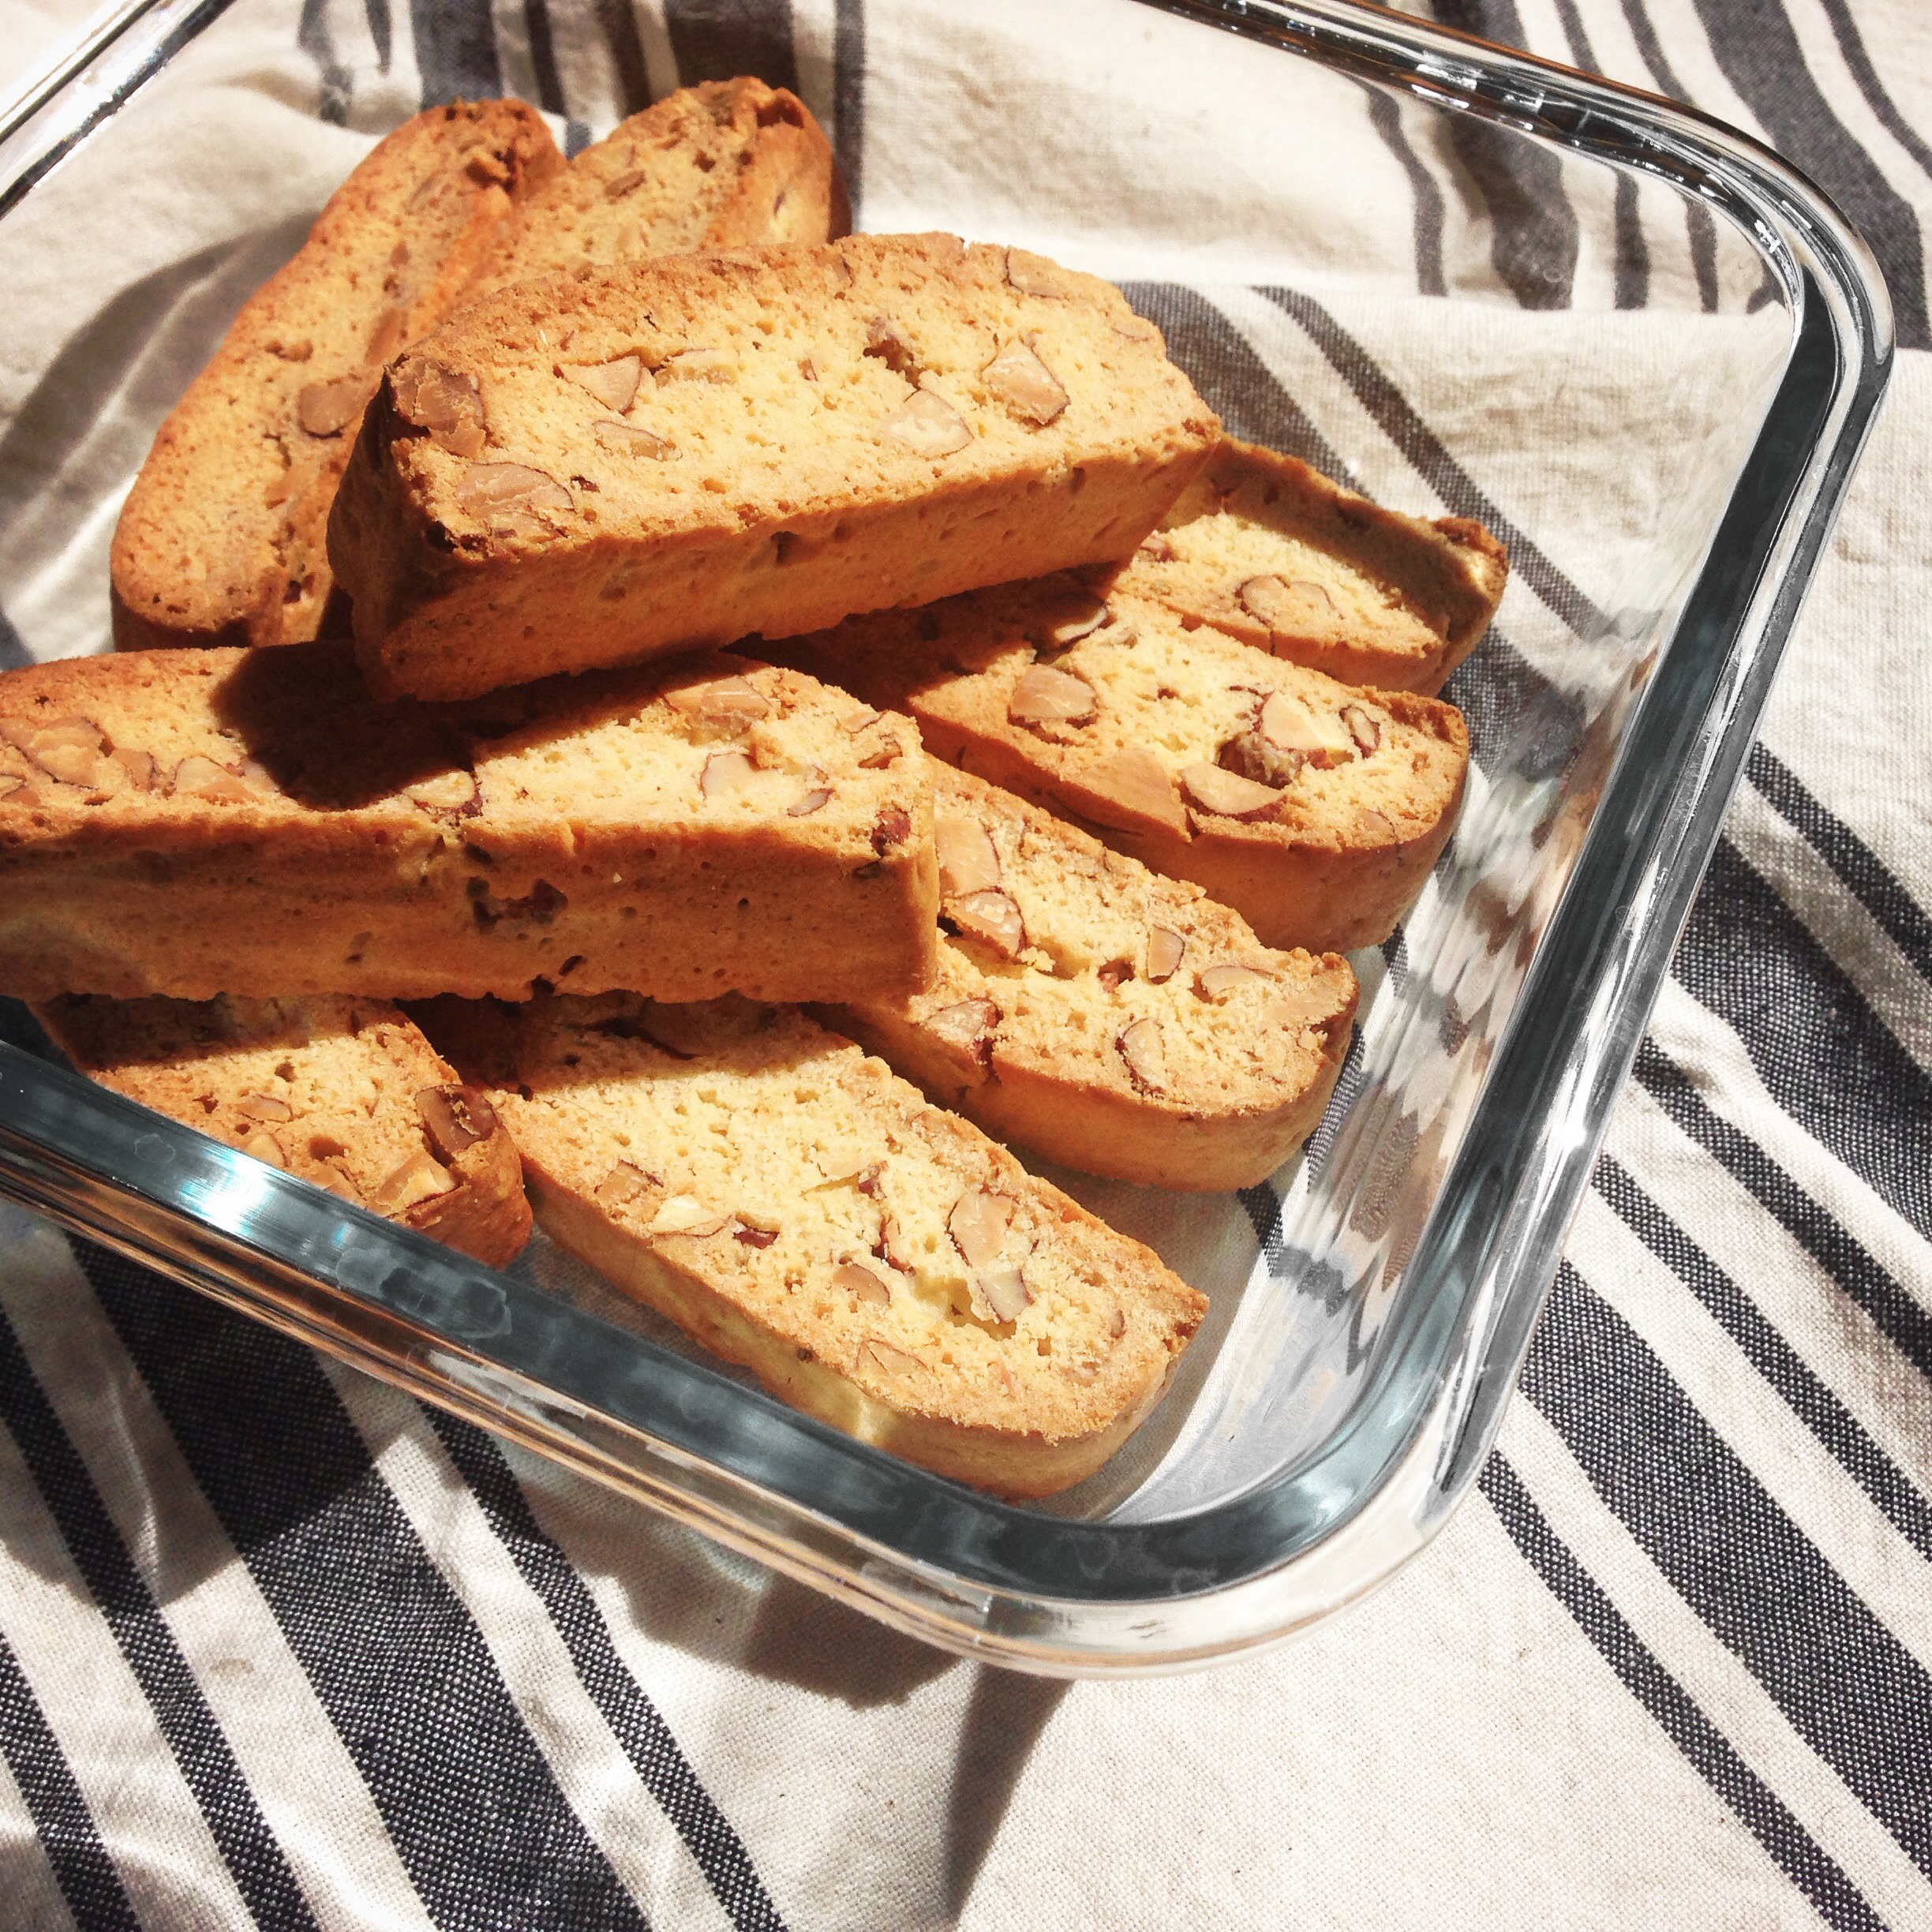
(105, 746)
(688, 395)
(1263, 546)
(1135, 714)
(340, 1091)
(1105, 945)
(206, 540)
(674, 179)
(702, 1130)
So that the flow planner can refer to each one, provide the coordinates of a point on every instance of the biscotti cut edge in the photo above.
(1265, 547)
(222, 539)
(197, 822)
(1108, 711)
(844, 1288)
(1108, 1018)
(595, 469)
(344, 1093)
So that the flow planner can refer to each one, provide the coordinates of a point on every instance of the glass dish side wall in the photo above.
(1362, 1343)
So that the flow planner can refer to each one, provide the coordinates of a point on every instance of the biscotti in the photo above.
(803, 1213)
(1314, 809)
(1263, 547)
(591, 469)
(195, 823)
(1107, 1017)
(726, 164)
(222, 539)
(344, 1092)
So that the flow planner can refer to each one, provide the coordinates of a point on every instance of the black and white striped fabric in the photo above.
(278, 1647)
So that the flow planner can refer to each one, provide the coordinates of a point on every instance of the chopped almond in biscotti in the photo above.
(1269, 550)
(1103, 1016)
(343, 1092)
(594, 468)
(803, 1213)
(1314, 809)
(195, 823)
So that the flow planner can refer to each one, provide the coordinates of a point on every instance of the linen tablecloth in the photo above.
(279, 1647)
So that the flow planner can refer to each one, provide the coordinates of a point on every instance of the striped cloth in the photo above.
(279, 1647)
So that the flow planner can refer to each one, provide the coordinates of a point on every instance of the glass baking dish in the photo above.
(1370, 1308)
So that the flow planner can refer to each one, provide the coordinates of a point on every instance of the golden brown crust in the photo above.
(726, 164)
(1343, 835)
(1268, 550)
(821, 1249)
(222, 539)
(197, 822)
(1110, 1018)
(591, 469)
(343, 1092)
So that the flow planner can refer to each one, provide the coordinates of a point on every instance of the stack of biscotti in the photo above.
(221, 540)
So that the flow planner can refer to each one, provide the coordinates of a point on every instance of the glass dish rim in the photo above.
(1045, 1592)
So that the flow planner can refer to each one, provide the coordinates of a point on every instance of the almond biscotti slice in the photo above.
(197, 822)
(345, 1092)
(590, 471)
(1107, 1017)
(1314, 809)
(222, 539)
(1269, 550)
(726, 164)
(800, 1211)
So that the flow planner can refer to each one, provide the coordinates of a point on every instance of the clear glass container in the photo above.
(1370, 1310)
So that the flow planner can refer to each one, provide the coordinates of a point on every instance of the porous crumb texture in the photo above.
(1269, 550)
(726, 164)
(593, 469)
(1314, 809)
(1109, 1018)
(195, 823)
(803, 1212)
(221, 540)
(343, 1092)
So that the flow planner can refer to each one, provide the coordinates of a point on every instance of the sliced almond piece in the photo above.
(1033, 274)
(66, 748)
(197, 777)
(327, 409)
(757, 1238)
(418, 1179)
(927, 424)
(449, 792)
(624, 1184)
(727, 774)
(1166, 950)
(1227, 795)
(1363, 729)
(968, 860)
(816, 798)
(140, 767)
(1045, 696)
(700, 363)
(456, 1117)
(1292, 725)
(999, 1294)
(854, 1278)
(13, 785)
(509, 489)
(614, 383)
(1288, 609)
(442, 401)
(967, 1024)
(1024, 383)
(731, 703)
(1132, 785)
(1140, 1046)
(1217, 980)
(992, 918)
(263, 1146)
(893, 1247)
(884, 1355)
(682, 1214)
(1070, 631)
(634, 440)
(863, 719)
(265, 1107)
(885, 341)
(978, 1224)
(889, 752)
